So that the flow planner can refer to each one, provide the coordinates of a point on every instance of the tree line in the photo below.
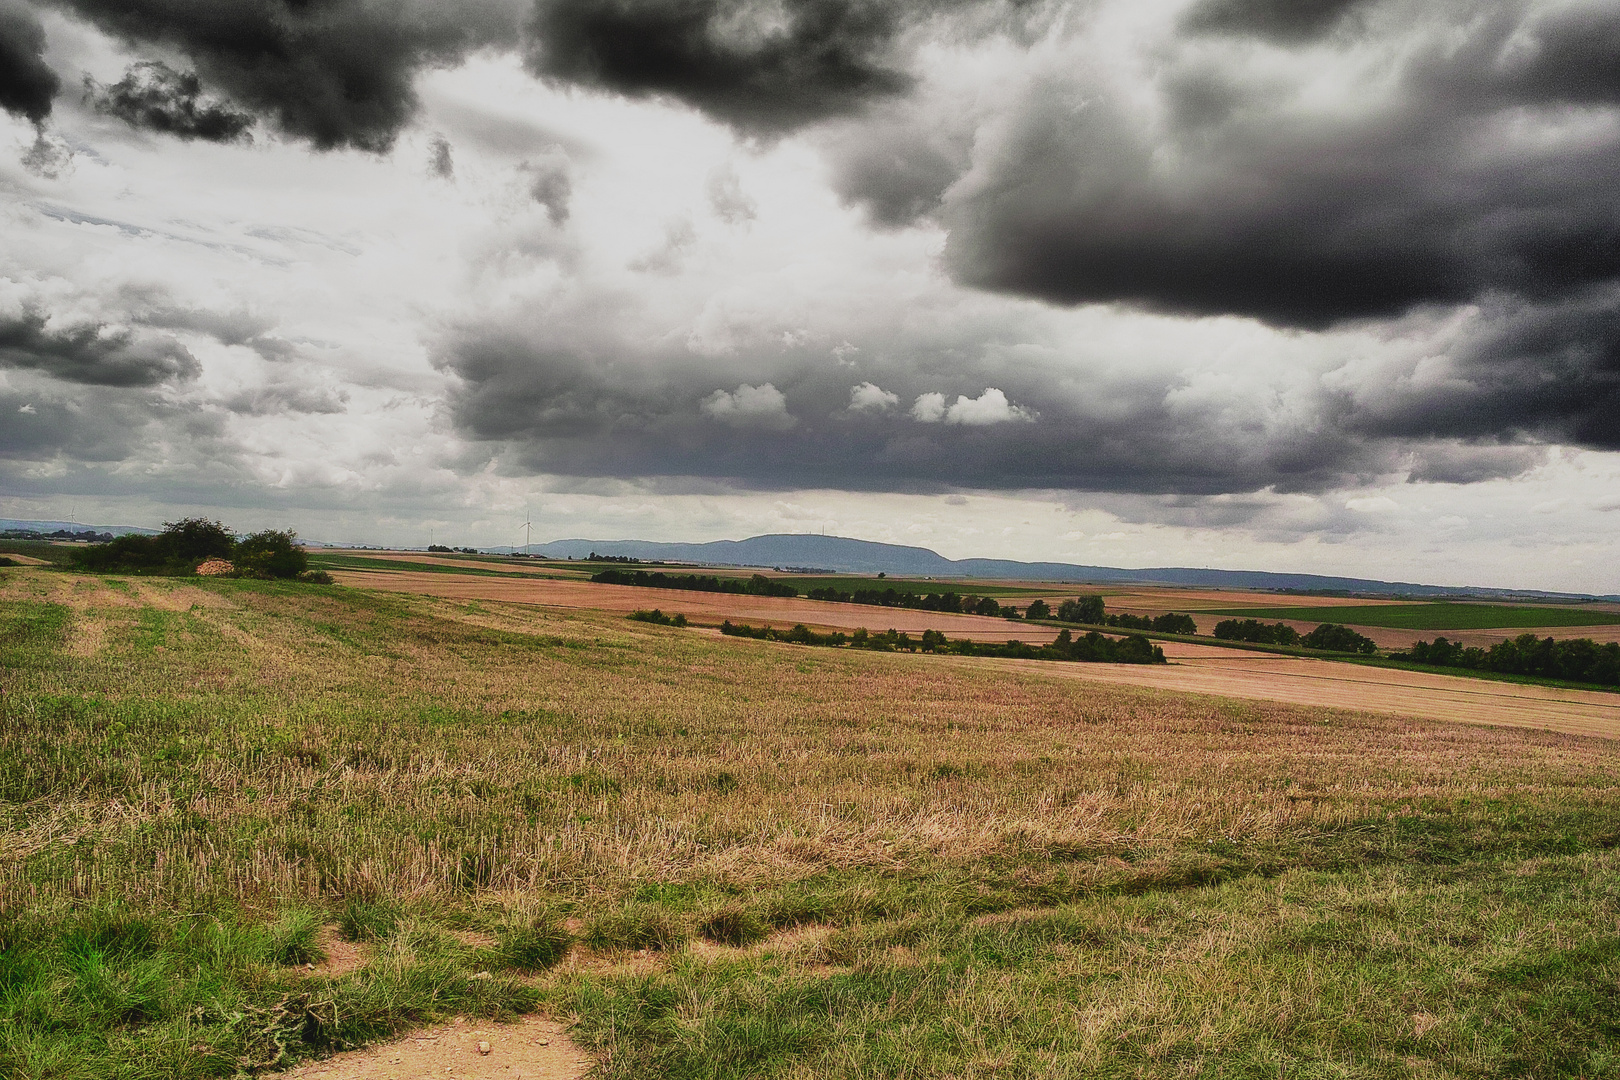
(1573, 660)
(1328, 637)
(198, 545)
(1092, 648)
(1091, 611)
(758, 585)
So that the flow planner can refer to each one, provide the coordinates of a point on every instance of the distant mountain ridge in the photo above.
(71, 526)
(845, 555)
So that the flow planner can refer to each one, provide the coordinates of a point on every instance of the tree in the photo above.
(1084, 609)
(271, 553)
(1333, 638)
(1038, 610)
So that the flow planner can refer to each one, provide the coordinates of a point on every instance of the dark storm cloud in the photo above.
(154, 96)
(1247, 205)
(92, 355)
(93, 425)
(896, 168)
(1543, 372)
(1278, 20)
(27, 85)
(335, 72)
(240, 327)
(759, 67)
(565, 398)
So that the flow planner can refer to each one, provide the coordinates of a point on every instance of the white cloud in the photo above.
(1372, 504)
(990, 407)
(870, 397)
(750, 406)
(929, 408)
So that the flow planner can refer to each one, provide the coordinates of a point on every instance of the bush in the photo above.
(533, 946)
(656, 616)
(295, 937)
(636, 926)
(362, 920)
(316, 577)
(733, 925)
(271, 553)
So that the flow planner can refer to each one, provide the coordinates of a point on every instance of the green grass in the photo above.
(839, 866)
(1438, 616)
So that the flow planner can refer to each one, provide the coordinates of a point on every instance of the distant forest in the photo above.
(1092, 648)
(758, 585)
(1574, 660)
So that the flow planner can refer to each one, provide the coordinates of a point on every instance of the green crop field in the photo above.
(1439, 616)
(761, 860)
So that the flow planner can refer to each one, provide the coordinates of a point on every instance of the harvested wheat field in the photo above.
(782, 612)
(1328, 684)
(252, 826)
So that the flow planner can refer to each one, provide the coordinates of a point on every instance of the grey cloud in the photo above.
(441, 161)
(27, 84)
(567, 397)
(93, 355)
(93, 426)
(1278, 20)
(897, 167)
(278, 399)
(155, 97)
(727, 199)
(551, 184)
(760, 67)
(338, 73)
(240, 327)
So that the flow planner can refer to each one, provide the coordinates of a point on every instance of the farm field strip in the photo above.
(781, 612)
(1327, 684)
(1193, 668)
(1435, 617)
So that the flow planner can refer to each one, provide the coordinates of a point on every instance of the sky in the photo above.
(1326, 286)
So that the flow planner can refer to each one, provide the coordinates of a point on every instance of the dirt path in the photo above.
(1299, 681)
(530, 1049)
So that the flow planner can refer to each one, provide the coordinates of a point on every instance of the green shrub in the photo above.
(363, 920)
(733, 924)
(535, 945)
(295, 937)
(316, 577)
(636, 926)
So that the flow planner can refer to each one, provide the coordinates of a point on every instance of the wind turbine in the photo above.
(526, 526)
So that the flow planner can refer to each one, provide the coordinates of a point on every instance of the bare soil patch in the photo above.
(530, 1049)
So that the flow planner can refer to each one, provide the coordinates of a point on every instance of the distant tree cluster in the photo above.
(1573, 660)
(1329, 637)
(1090, 611)
(950, 602)
(83, 536)
(1258, 632)
(758, 585)
(1333, 638)
(656, 616)
(594, 557)
(452, 550)
(185, 545)
(1092, 648)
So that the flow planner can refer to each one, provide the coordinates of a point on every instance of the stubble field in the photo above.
(761, 860)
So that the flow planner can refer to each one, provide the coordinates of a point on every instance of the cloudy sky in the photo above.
(1323, 285)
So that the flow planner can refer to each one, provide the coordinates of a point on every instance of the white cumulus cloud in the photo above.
(990, 407)
(871, 397)
(750, 406)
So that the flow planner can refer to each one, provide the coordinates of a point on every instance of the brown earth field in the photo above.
(1201, 669)
(781, 612)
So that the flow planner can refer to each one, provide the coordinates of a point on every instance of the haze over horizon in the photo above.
(1327, 287)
